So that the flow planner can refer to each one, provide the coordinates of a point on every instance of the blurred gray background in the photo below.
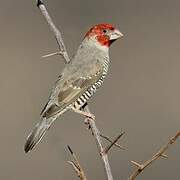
(140, 96)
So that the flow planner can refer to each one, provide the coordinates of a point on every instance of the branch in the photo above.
(97, 136)
(160, 153)
(54, 29)
(76, 165)
(63, 51)
(113, 142)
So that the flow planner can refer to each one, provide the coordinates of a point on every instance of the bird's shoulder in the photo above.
(73, 81)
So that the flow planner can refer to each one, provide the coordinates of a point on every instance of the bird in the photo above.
(79, 80)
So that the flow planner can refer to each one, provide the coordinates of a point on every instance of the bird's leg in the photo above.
(86, 121)
(84, 113)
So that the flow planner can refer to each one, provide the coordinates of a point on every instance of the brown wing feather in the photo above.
(77, 88)
(73, 87)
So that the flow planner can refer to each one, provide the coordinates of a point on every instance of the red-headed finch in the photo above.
(78, 81)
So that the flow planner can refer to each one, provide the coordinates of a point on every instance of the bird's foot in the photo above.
(84, 113)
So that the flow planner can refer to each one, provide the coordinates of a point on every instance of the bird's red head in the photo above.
(105, 34)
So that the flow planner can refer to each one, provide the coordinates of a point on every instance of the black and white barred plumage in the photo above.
(91, 91)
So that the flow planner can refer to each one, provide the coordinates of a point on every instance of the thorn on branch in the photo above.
(164, 155)
(160, 153)
(70, 150)
(113, 142)
(140, 166)
(52, 54)
(109, 140)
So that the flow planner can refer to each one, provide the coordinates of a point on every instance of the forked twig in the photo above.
(96, 134)
(160, 153)
(76, 165)
(113, 142)
(54, 29)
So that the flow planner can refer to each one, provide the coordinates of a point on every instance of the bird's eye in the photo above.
(104, 31)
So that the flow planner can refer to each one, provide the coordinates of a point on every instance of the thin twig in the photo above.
(52, 54)
(76, 165)
(115, 140)
(160, 153)
(55, 30)
(62, 48)
(109, 140)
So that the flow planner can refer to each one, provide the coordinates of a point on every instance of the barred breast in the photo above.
(91, 91)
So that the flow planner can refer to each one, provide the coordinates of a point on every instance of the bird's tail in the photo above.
(37, 133)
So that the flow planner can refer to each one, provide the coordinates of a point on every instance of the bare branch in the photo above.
(55, 30)
(115, 144)
(76, 165)
(111, 145)
(159, 154)
(98, 140)
(62, 49)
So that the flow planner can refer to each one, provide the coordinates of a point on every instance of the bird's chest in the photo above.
(91, 90)
(104, 73)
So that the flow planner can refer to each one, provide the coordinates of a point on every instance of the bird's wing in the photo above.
(71, 86)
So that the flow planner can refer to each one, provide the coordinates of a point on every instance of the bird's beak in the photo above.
(115, 34)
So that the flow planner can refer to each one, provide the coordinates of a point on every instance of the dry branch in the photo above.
(56, 32)
(160, 153)
(63, 52)
(76, 165)
(109, 140)
(96, 134)
(113, 142)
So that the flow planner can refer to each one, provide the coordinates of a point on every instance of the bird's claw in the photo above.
(91, 116)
